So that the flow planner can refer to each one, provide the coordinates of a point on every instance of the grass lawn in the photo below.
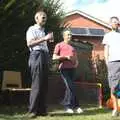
(91, 112)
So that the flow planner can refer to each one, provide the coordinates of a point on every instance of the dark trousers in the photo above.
(38, 63)
(70, 100)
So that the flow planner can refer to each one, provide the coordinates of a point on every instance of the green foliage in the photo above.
(55, 16)
(101, 76)
(16, 16)
(101, 70)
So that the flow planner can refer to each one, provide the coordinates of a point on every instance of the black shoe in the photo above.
(42, 114)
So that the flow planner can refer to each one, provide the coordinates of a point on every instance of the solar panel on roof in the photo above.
(87, 31)
(79, 31)
(98, 32)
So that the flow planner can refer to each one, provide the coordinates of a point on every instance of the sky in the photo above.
(102, 9)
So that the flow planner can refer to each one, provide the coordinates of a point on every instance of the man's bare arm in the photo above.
(58, 57)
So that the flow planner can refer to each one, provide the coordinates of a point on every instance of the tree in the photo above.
(16, 16)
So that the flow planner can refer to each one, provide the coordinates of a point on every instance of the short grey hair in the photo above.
(66, 29)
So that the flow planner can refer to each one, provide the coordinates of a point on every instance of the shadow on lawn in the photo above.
(14, 112)
(11, 110)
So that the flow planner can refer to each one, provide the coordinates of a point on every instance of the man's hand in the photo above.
(72, 58)
(49, 36)
(68, 57)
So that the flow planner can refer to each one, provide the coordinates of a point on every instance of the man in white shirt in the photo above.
(38, 63)
(111, 41)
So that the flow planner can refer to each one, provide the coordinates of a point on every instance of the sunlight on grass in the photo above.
(57, 113)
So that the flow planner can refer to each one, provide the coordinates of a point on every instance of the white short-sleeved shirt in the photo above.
(34, 32)
(112, 39)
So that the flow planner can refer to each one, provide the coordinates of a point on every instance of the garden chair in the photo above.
(12, 82)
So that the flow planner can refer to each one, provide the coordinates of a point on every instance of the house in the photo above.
(87, 32)
(87, 28)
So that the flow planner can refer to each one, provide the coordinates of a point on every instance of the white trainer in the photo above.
(69, 110)
(79, 110)
(115, 113)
